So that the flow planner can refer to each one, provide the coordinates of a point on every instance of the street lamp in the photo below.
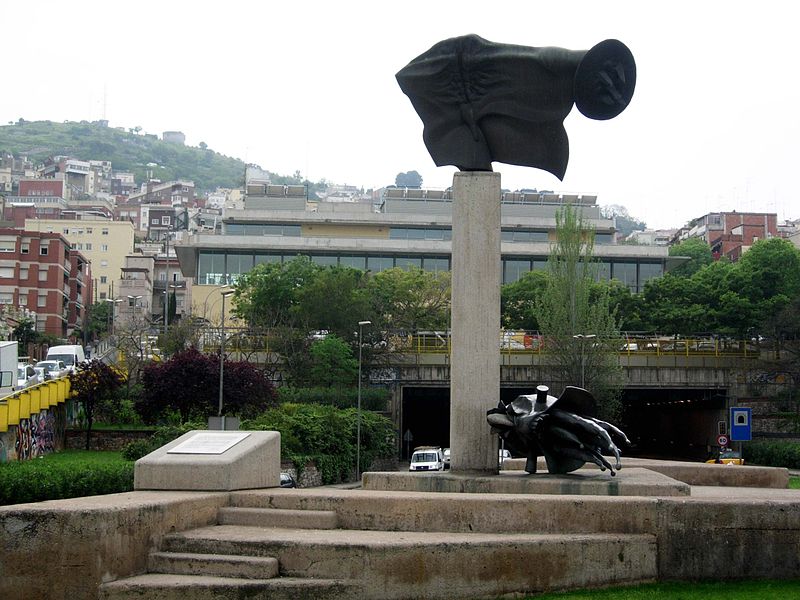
(113, 302)
(224, 294)
(358, 426)
(582, 338)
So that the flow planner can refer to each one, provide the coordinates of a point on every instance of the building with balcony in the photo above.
(730, 234)
(41, 272)
(104, 243)
(404, 228)
(135, 289)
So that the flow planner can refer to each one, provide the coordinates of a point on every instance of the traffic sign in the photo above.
(741, 420)
(722, 440)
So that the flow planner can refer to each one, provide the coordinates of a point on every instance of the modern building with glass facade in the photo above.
(404, 228)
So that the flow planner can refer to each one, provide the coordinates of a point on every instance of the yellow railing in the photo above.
(24, 403)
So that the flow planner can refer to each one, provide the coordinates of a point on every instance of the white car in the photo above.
(427, 458)
(26, 376)
(50, 369)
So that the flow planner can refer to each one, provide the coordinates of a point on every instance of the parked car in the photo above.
(287, 481)
(446, 455)
(427, 458)
(71, 355)
(727, 457)
(26, 376)
(50, 369)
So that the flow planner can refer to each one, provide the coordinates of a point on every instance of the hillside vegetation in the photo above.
(127, 151)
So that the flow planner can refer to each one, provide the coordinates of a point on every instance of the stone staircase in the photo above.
(358, 544)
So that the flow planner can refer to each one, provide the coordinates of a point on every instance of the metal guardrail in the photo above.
(23, 403)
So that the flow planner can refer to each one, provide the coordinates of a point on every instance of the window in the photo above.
(23, 300)
(88, 245)
(8, 272)
(42, 274)
(626, 273)
(162, 276)
(6, 298)
(154, 221)
(42, 300)
(103, 263)
(103, 279)
(165, 220)
(102, 295)
(104, 231)
(514, 268)
(43, 249)
(65, 231)
(103, 247)
(23, 273)
(8, 246)
(89, 230)
(26, 248)
(379, 263)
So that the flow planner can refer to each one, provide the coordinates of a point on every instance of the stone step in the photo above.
(217, 565)
(407, 564)
(278, 517)
(157, 586)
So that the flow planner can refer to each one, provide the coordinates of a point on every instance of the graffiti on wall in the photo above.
(38, 435)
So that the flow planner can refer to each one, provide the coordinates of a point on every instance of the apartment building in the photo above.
(104, 243)
(730, 234)
(40, 271)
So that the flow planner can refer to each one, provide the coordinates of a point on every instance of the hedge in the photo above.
(772, 453)
(49, 478)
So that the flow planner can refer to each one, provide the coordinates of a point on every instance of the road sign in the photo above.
(741, 420)
(722, 440)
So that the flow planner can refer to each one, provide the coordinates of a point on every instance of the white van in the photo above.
(427, 458)
(71, 356)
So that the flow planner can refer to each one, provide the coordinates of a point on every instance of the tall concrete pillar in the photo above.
(475, 321)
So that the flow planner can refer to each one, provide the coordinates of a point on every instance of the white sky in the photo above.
(714, 123)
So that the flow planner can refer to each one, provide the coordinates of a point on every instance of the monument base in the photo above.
(588, 482)
(212, 461)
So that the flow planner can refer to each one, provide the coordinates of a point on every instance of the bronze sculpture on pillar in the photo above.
(483, 102)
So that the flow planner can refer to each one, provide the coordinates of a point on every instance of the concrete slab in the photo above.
(212, 461)
(627, 482)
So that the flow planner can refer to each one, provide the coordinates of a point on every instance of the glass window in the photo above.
(43, 249)
(416, 234)
(324, 260)
(602, 271)
(397, 233)
(649, 271)
(436, 263)
(211, 268)
(234, 229)
(514, 268)
(104, 231)
(603, 238)
(406, 262)
(103, 279)
(357, 262)
(379, 263)
(267, 258)
(626, 273)
(42, 274)
(238, 264)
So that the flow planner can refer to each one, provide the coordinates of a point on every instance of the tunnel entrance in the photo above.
(672, 423)
(661, 423)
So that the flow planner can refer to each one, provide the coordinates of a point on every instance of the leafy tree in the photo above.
(333, 364)
(409, 179)
(518, 300)
(567, 312)
(25, 334)
(99, 319)
(699, 253)
(334, 300)
(410, 299)
(189, 383)
(93, 385)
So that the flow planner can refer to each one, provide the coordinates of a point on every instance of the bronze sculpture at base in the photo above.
(564, 430)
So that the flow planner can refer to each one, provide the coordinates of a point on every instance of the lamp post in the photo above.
(224, 294)
(582, 339)
(114, 302)
(358, 426)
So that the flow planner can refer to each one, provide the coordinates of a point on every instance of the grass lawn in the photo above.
(714, 590)
(794, 483)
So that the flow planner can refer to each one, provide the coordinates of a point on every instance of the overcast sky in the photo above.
(306, 86)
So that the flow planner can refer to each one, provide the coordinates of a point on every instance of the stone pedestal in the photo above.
(475, 354)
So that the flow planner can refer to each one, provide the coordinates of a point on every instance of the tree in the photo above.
(189, 383)
(93, 385)
(518, 300)
(333, 364)
(568, 314)
(409, 179)
(334, 300)
(99, 319)
(410, 299)
(699, 253)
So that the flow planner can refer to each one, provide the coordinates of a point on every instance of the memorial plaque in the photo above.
(208, 443)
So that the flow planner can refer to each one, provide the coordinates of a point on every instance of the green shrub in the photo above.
(49, 478)
(772, 453)
(162, 436)
(375, 399)
(327, 435)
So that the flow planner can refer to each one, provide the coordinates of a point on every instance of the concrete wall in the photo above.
(40, 434)
(64, 549)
